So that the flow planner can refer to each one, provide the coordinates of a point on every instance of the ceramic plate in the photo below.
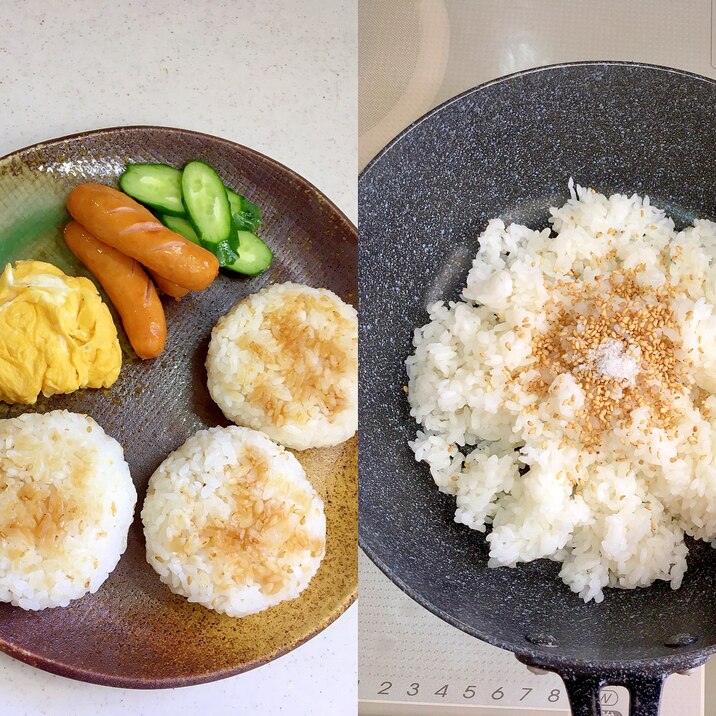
(134, 632)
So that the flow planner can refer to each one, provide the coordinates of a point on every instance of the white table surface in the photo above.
(277, 76)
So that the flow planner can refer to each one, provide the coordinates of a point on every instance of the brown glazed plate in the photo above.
(134, 632)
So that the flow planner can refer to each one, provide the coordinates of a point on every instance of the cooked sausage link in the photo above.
(129, 288)
(119, 221)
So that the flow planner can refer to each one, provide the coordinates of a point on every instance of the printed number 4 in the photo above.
(442, 691)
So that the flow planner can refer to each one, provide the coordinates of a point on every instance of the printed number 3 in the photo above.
(413, 691)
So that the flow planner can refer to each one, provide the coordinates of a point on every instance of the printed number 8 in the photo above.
(553, 696)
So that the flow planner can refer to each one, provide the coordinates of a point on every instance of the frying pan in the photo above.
(508, 149)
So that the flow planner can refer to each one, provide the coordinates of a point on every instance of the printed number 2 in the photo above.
(413, 691)
(385, 688)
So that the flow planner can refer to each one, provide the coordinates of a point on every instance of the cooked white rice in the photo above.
(285, 361)
(66, 504)
(232, 523)
(614, 514)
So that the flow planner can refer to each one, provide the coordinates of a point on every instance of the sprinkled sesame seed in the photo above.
(618, 377)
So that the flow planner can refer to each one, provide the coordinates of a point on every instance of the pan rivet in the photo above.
(542, 640)
(682, 639)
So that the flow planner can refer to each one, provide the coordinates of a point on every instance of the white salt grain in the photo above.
(611, 360)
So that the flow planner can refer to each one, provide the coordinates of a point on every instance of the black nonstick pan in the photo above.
(508, 149)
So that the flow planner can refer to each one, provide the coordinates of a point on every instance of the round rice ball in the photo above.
(231, 522)
(285, 361)
(66, 504)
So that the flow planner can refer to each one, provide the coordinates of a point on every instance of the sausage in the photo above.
(129, 288)
(116, 219)
(169, 287)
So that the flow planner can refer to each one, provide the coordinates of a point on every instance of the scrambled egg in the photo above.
(56, 334)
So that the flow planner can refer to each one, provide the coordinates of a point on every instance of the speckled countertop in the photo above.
(282, 81)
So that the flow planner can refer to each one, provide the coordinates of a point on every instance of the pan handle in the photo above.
(644, 692)
(584, 684)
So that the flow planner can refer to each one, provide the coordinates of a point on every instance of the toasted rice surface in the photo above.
(232, 523)
(66, 504)
(285, 361)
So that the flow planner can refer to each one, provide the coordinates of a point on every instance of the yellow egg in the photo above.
(56, 334)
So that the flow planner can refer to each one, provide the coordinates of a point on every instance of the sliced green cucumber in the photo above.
(223, 251)
(156, 185)
(234, 200)
(226, 254)
(254, 255)
(207, 205)
(244, 221)
(247, 216)
(181, 225)
(251, 209)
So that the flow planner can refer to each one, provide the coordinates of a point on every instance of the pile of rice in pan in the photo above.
(568, 400)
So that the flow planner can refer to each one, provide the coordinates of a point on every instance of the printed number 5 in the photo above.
(469, 692)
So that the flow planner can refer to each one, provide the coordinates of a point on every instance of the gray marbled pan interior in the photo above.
(508, 149)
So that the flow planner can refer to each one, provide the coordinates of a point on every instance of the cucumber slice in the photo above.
(247, 216)
(182, 227)
(254, 255)
(244, 221)
(251, 209)
(207, 205)
(234, 200)
(156, 185)
(224, 251)
(226, 254)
